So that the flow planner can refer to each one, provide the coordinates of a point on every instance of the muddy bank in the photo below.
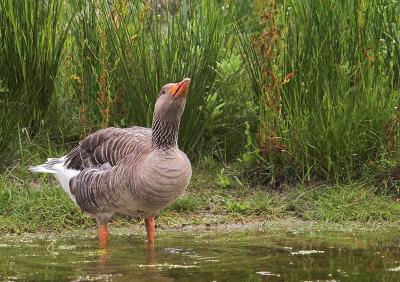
(229, 225)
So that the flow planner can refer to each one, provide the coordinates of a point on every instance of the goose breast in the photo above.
(163, 177)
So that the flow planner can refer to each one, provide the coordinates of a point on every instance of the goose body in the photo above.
(132, 171)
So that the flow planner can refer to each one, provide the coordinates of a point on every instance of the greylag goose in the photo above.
(131, 171)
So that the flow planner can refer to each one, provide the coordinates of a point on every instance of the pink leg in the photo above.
(103, 235)
(150, 224)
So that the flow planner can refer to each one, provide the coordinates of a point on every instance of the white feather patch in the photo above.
(61, 173)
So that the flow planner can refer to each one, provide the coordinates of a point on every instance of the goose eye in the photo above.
(161, 93)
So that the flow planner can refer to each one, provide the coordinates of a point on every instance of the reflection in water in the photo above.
(151, 257)
(153, 270)
(206, 257)
(105, 254)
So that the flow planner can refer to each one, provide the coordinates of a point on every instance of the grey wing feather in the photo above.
(106, 147)
(97, 156)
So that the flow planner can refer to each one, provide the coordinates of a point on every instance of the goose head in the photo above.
(167, 113)
(171, 100)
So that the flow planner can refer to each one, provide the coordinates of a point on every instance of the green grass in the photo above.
(124, 55)
(303, 92)
(338, 106)
(102, 63)
(185, 204)
(353, 202)
(36, 203)
(32, 35)
(314, 102)
(27, 209)
(324, 74)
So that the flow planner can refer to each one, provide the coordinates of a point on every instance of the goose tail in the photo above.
(55, 166)
(52, 166)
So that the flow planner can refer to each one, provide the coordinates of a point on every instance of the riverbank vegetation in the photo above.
(292, 111)
(29, 204)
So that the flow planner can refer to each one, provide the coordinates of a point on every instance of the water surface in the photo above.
(283, 255)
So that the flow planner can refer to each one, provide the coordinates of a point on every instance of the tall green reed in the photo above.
(335, 87)
(142, 52)
(32, 37)
(93, 60)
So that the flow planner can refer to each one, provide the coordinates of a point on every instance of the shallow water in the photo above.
(205, 256)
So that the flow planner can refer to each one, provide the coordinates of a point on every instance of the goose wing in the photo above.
(106, 147)
(100, 158)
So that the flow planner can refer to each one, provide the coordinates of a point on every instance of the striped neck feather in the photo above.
(165, 132)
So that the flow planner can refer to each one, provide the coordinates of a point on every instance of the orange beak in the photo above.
(180, 89)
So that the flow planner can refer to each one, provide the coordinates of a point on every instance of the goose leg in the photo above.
(102, 221)
(150, 224)
(103, 236)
